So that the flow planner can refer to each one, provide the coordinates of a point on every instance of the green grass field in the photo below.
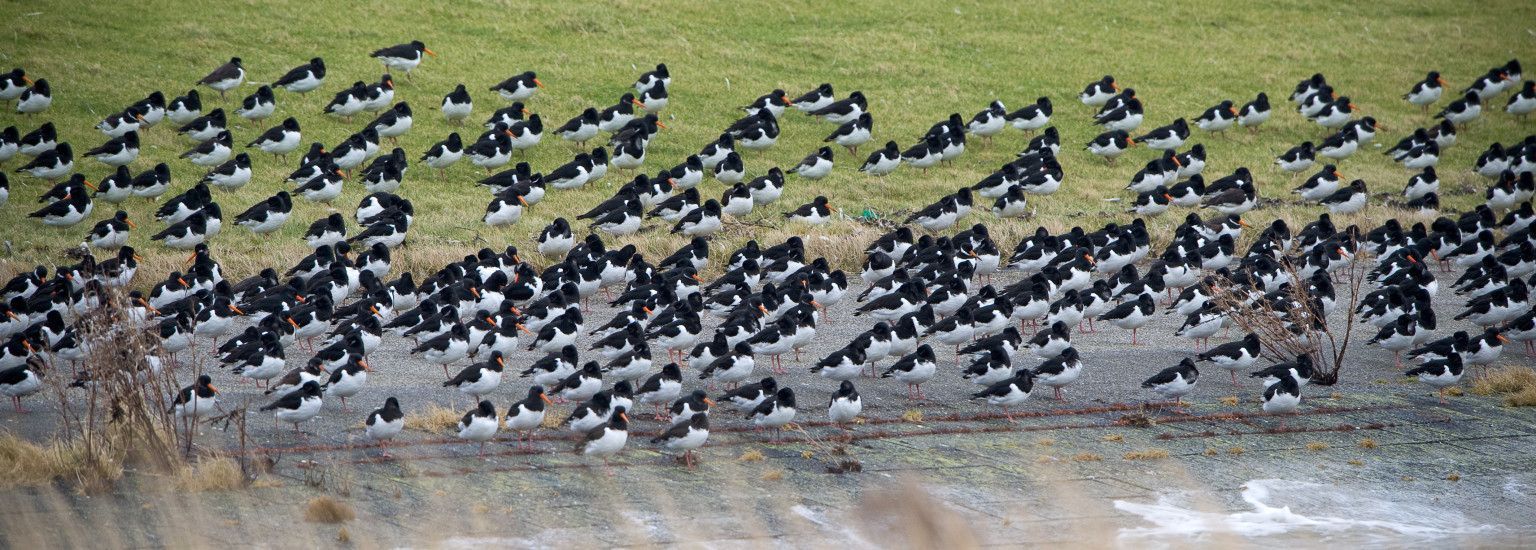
(916, 63)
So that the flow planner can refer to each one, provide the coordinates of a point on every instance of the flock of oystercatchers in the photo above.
(923, 290)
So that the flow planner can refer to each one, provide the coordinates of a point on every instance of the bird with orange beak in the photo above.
(403, 57)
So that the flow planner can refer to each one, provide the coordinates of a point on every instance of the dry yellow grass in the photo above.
(1453, 477)
(773, 475)
(1356, 462)
(1368, 443)
(1147, 454)
(24, 463)
(1230, 401)
(210, 474)
(433, 419)
(1316, 446)
(912, 415)
(1045, 442)
(1211, 451)
(1236, 451)
(1087, 457)
(1113, 437)
(1516, 384)
(324, 509)
(751, 455)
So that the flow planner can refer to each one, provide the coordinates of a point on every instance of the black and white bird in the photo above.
(1426, 92)
(884, 161)
(853, 133)
(1254, 113)
(1348, 200)
(519, 87)
(608, 439)
(111, 233)
(845, 405)
(192, 402)
(403, 57)
(117, 151)
(298, 406)
(775, 411)
(1175, 382)
(258, 106)
(1440, 374)
(1110, 145)
(35, 99)
(1234, 356)
(1218, 118)
(479, 424)
(384, 423)
(51, 164)
(14, 83)
(1009, 393)
(303, 78)
(457, 105)
(279, 140)
(1032, 117)
(685, 436)
(226, 77)
(1463, 110)
(844, 110)
(444, 153)
(814, 166)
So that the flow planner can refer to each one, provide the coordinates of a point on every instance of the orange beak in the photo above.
(131, 225)
(28, 345)
(300, 299)
(1090, 259)
(546, 399)
(1503, 339)
(373, 310)
(537, 83)
(88, 185)
(389, 84)
(524, 329)
(1411, 260)
(637, 103)
(1440, 81)
(475, 291)
(182, 281)
(624, 416)
(708, 401)
(1167, 196)
(213, 389)
(642, 308)
(1130, 142)
(1233, 111)
(1113, 86)
(430, 52)
(492, 322)
(24, 78)
(658, 123)
(1352, 106)
(291, 322)
(236, 309)
(190, 258)
(364, 365)
(501, 361)
(1242, 223)
(136, 256)
(522, 200)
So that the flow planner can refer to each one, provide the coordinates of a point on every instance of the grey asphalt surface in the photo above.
(1007, 482)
